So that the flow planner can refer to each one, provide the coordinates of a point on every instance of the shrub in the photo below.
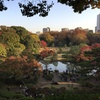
(26, 98)
(2, 98)
(7, 94)
(17, 96)
(87, 84)
(49, 76)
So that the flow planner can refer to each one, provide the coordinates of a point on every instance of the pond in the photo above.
(61, 67)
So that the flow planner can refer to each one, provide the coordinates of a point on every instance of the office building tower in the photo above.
(98, 24)
(64, 29)
(45, 30)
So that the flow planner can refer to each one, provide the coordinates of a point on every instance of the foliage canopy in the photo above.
(41, 7)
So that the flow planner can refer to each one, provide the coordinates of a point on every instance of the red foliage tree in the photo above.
(95, 45)
(46, 53)
(83, 50)
(43, 44)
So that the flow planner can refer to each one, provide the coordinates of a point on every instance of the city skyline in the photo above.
(48, 29)
(60, 16)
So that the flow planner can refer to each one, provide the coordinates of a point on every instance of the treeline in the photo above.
(69, 38)
(17, 40)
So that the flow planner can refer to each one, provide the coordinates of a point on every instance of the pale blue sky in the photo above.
(60, 16)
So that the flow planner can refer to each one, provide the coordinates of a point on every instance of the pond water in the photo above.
(61, 67)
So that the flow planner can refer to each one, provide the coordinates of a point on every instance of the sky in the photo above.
(60, 16)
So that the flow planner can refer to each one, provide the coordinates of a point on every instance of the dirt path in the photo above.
(44, 83)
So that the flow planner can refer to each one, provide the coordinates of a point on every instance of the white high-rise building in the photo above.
(97, 29)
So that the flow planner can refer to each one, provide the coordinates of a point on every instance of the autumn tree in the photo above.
(79, 6)
(42, 7)
(47, 37)
(43, 44)
(78, 36)
(93, 38)
(19, 66)
(55, 34)
(68, 41)
(88, 59)
(60, 38)
(45, 53)
(73, 52)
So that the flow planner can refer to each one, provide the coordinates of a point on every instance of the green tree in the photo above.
(11, 41)
(22, 32)
(18, 49)
(8, 36)
(29, 42)
(74, 50)
(36, 40)
(3, 28)
(3, 52)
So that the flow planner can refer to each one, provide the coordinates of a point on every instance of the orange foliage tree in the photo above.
(46, 53)
(78, 36)
(19, 66)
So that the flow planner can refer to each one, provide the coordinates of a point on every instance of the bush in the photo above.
(87, 84)
(97, 89)
(49, 77)
(7, 94)
(17, 96)
(56, 71)
(26, 98)
(2, 98)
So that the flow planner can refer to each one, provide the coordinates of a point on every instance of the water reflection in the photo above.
(61, 67)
